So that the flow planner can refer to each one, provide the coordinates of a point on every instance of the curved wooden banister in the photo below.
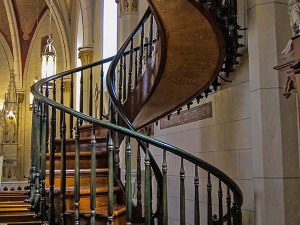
(173, 74)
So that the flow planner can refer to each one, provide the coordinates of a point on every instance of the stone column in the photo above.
(274, 118)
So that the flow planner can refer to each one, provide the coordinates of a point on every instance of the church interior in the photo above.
(150, 112)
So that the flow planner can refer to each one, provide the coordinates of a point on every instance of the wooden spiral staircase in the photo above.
(175, 54)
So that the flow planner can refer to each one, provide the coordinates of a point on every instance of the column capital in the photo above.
(86, 54)
(128, 7)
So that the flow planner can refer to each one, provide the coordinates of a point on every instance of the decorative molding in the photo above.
(128, 7)
(200, 112)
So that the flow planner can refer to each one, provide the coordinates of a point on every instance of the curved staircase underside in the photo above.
(194, 53)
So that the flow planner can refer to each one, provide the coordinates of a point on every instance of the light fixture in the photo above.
(49, 55)
(11, 115)
(49, 59)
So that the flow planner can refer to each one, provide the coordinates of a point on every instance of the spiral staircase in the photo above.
(176, 54)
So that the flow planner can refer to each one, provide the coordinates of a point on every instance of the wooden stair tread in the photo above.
(28, 222)
(12, 209)
(83, 139)
(102, 211)
(86, 190)
(71, 172)
(82, 154)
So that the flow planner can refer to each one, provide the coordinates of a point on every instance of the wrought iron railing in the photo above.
(126, 68)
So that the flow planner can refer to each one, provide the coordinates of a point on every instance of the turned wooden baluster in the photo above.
(71, 105)
(81, 95)
(37, 158)
(101, 93)
(209, 201)
(165, 189)
(147, 195)
(93, 178)
(51, 211)
(61, 100)
(141, 53)
(110, 179)
(182, 194)
(136, 68)
(63, 171)
(128, 181)
(120, 79)
(43, 163)
(91, 93)
(130, 68)
(139, 182)
(150, 38)
(77, 175)
(124, 79)
(197, 207)
(228, 201)
(220, 196)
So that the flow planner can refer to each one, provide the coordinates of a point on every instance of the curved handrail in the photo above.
(130, 132)
(170, 148)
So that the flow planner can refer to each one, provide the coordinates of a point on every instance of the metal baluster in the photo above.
(91, 93)
(37, 158)
(93, 178)
(165, 189)
(139, 182)
(61, 100)
(71, 105)
(130, 68)
(110, 179)
(63, 171)
(101, 93)
(239, 212)
(220, 195)
(81, 95)
(51, 212)
(209, 201)
(182, 194)
(43, 164)
(136, 69)
(124, 80)
(147, 195)
(128, 182)
(197, 207)
(141, 53)
(228, 201)
(151, 38)
(77, 175)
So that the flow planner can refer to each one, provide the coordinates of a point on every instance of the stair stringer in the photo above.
(195, 51)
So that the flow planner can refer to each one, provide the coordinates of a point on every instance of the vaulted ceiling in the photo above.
(26, 14)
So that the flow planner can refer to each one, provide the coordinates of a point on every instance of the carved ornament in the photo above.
(128, 6)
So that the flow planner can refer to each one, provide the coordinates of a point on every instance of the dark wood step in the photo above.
(85, 177)
(101, 197)
(5, 198)
(12, 210)
(30, 222)
(84, 144)
(101, 215)
(20, 217)
(85, 160)
(87, 130)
